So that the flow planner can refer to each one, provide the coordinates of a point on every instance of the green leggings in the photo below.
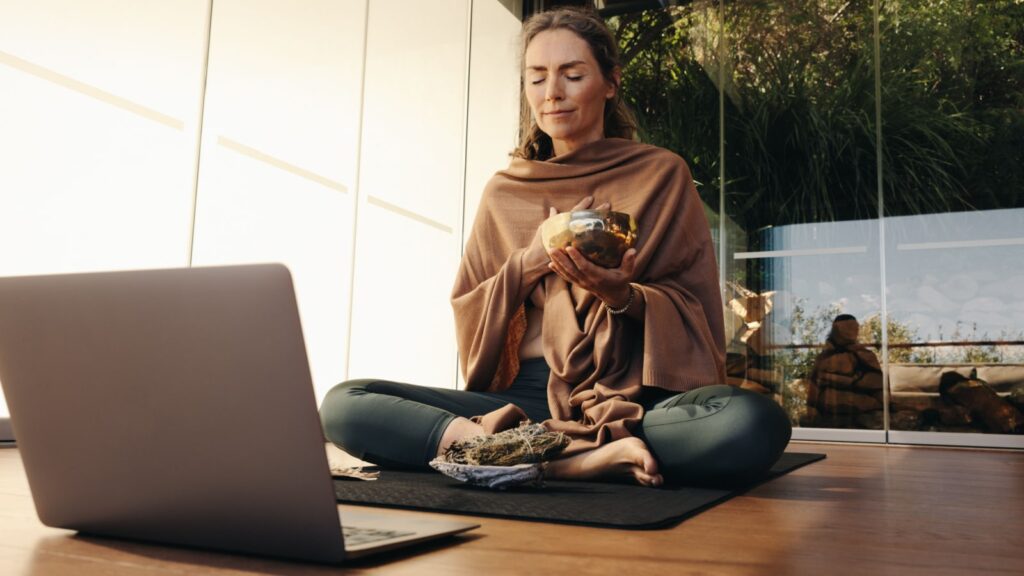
(719, 435)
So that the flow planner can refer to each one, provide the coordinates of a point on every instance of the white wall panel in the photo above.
(414, 111)
(99, 111)
(411, 180)
(402, 326)
(99, 108)
(493, 111)
(279, 149)
(284, 79)
(149, 52)
(493, 126)
(101, 103)
(85, 185)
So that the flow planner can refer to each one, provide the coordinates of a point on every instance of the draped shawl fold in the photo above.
(599, 362)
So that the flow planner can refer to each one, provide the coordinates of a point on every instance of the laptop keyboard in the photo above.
(354, 535)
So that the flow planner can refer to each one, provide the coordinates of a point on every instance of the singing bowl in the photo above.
(601, 236)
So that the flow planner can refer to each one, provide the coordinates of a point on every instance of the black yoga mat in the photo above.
(589, 503)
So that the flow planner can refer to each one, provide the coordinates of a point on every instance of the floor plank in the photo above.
(865, 509)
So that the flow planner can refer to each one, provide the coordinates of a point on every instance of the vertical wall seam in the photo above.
(884, 314)
(465, 123)
(357, 189)
(199, 136)
(465, 149)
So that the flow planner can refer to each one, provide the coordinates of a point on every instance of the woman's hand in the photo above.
(536, 254)
(611, 285)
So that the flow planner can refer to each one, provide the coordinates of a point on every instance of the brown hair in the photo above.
(534, 144)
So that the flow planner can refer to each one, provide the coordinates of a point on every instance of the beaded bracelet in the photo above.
(629, 302)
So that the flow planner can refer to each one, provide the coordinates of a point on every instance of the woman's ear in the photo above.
(615, 83)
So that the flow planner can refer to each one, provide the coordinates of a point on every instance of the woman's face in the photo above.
(565, 89)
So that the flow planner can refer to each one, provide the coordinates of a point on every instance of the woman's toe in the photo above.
(646, 479)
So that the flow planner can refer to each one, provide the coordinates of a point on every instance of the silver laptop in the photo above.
(176, 406)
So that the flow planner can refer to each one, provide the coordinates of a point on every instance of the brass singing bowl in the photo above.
(601, 236)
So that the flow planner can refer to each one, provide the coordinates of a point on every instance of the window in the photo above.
(862, 166)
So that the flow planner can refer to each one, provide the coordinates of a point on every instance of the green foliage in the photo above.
(901, 336)
(797, 82)
(673, 94)
(898, 334)
(953, 103)
(800, 131)
(981, 353)
(799, 122)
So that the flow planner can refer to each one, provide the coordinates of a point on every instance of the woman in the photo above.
(626, 361)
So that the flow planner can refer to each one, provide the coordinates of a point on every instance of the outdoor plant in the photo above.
(797, 82)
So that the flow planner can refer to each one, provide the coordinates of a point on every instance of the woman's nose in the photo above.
(554, 90)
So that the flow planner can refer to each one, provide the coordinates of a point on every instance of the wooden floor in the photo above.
(864, 510)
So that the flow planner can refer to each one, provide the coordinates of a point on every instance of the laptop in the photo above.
(176, 406)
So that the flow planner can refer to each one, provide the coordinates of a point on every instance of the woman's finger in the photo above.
(563, 262)
(561, 272)
(582, 204)
(565, 267)
(598, 275)
(628, 264)
(579, 259)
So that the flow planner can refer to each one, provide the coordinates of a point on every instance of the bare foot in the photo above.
(459, 429)
(627, 458)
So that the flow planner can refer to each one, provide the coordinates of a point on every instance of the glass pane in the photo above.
(670, 75)
(802, 268)
(670, 79)
(953, 172)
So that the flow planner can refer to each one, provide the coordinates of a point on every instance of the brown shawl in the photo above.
(599, 362)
